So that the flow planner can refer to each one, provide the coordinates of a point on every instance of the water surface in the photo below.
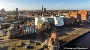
(83, 42)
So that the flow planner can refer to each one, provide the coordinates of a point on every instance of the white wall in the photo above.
(44, 19)
(58, 21)
(37, 19)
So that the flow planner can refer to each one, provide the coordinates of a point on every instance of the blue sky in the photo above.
(48, 4)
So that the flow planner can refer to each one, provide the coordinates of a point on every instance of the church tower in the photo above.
(42, 8)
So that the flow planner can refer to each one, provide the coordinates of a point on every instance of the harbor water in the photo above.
(82, 42)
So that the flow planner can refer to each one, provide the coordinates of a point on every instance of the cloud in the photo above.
(58, 4)
(61, 3)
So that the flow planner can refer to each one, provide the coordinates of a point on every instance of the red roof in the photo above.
(82, 12)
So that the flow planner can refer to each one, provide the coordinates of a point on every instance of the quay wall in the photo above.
(74, 37)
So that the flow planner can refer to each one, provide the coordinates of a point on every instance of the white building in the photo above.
(57, 21)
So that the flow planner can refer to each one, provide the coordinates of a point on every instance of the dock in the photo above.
(75, 35)
(70, 34)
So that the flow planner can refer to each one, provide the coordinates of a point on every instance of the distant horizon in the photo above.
(11, 5)
(33, 10)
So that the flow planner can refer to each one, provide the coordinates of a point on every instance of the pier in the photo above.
(68, 36)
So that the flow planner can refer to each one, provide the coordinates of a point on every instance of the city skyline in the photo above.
(11, 5)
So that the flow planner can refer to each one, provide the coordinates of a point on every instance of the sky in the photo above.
(11, 5)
